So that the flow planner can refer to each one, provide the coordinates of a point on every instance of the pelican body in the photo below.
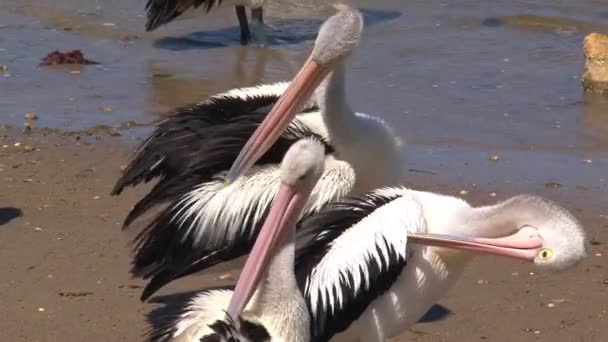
(371, 265)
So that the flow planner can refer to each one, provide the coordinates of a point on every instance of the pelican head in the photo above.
(337, 38)
(562, 235)
(525, 227)
(301, 168)
(303, 164)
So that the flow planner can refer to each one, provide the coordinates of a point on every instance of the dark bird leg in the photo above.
(257, 21)
(242, 17)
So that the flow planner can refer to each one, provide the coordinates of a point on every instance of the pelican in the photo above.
(206, 220)
(371, 265)
(277, 311)
(160, 12)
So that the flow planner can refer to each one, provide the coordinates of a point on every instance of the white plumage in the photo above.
(363, 279)
(347, 257)
(216, 218)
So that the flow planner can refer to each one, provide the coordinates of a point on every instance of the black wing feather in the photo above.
(317, 232)
(186, 150)
(161, 252)
(160, 12)
(164, 255)
(194, 143)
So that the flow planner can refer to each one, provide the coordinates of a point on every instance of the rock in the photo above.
(595, 75)
(31, 116)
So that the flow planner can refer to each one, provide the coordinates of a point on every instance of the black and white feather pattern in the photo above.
(200, 316)
(351, 252)
(238, 330)
(160, 12)
(187, 314)
(196, 142)
(215, 223)
(207, 222)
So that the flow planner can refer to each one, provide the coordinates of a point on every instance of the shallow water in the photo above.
(460, 80)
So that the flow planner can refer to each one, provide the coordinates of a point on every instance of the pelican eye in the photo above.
(545, 254)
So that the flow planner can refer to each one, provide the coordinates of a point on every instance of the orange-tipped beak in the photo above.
(289, 104)
(286, 208)
(525, 244)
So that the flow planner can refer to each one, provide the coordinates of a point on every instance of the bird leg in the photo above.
(242, 17)
(259, 29)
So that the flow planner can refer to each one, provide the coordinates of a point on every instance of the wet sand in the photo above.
(66, 260)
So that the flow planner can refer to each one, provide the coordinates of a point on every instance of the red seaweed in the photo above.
(73, 57)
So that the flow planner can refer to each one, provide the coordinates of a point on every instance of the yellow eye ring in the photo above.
(545, 254)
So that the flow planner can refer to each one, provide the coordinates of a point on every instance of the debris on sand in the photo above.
(73, 57)
(225, 276)
(595, 75)
(74, 294)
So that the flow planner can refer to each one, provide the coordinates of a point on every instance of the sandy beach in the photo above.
(66, 260)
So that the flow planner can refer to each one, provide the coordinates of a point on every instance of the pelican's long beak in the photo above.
(525, 244)
(286, 208)
(289, 104)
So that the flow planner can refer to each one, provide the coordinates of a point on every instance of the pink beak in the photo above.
(286, 208)
(524, 244)
(276, 122)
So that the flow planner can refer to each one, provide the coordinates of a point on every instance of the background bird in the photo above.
(161, 12)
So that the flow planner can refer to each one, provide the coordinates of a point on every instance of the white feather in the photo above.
(367, 241)
(203, 309)
(276, 89)
(221, 211)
